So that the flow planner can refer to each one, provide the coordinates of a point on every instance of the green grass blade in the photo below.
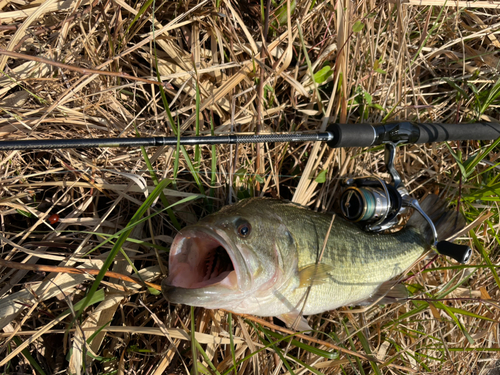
(99, 330)
(436, 24)
(121, 240)
(442, 306)
(231, 339)
(197, 153)
(151, 290)
(194, 348)
(485, 256)
(265, 347)
(451, 285)
(493, 94)
(493, 232)
(163, 198)
(471, 164)
(141, 11)
(306, 347)
(458, 159)
(32, 361)
(266, 340)
(366, 347)
(421, 306)
(353, 348)
(213, 177)
(131, 226)
(205, 357)
(309, 66)
(456, 310)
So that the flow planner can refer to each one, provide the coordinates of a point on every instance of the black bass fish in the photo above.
(261, 256)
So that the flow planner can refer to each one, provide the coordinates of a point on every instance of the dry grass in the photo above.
(423, 60)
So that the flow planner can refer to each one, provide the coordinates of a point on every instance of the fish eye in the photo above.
(244, 229)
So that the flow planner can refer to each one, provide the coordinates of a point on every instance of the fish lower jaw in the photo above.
(227, 279)
(216, 296)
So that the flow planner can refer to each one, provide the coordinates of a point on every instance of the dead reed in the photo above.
(90, 69)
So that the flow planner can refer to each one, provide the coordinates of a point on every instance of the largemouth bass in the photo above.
(263, 256)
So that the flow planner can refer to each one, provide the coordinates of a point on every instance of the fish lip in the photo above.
(202, 297)
(176, 293)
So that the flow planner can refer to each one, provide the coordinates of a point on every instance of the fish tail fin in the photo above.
(446, 221)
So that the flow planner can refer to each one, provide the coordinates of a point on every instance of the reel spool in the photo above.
(371, 200)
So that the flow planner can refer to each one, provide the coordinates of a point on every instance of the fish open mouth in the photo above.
(198, 259)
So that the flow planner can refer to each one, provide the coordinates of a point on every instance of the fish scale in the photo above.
(360, 261)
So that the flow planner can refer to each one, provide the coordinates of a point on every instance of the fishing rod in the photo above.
(336, 135)
(369, 201)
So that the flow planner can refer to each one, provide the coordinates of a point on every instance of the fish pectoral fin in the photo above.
(295, 321)
(314, 274)
(388, 292)
(392, 290)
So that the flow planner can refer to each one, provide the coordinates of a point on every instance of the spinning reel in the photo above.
(372, 201)
(377, 204)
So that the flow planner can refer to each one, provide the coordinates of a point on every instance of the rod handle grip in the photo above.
(366, 135)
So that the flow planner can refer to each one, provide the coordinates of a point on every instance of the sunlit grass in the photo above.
(419, 63)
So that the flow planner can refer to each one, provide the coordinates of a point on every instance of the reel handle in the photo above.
(461, 253)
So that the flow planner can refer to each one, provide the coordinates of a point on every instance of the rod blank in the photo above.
(160, 141)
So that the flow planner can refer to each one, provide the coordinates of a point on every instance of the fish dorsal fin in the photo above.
(294, 320)
(388, 292)
(314, 274)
